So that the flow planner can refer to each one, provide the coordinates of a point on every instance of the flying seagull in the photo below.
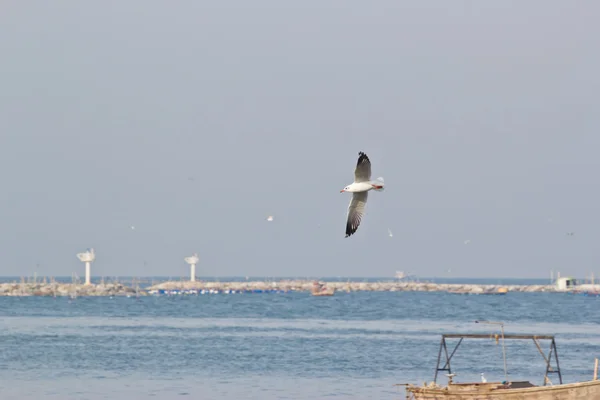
(360, 189)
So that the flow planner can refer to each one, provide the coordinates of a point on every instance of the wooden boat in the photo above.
(326, 292)
(499, 291)
(320, 289)
(589, 390)
(505, 390)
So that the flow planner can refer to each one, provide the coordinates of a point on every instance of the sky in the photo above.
(193, 121)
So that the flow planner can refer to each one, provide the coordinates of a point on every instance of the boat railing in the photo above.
(552, 366)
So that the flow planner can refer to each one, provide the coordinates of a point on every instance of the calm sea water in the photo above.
(277, 346)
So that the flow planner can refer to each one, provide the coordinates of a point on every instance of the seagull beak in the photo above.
(342, 191)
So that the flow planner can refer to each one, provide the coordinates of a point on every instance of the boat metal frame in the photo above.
(550, 368)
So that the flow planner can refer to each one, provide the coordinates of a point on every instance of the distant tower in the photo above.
(88, 257)
(193, 260)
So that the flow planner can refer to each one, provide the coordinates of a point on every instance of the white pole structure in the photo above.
(87, 273)
(88, 258)
(193, 260)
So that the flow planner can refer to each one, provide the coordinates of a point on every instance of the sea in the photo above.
(283, 345)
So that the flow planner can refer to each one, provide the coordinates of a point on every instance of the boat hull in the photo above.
(324, 293)
(589, 390)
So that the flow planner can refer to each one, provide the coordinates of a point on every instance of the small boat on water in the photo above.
(507, 389)
(320, 289)
(328, 292)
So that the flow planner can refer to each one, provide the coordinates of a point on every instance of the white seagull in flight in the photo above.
(360, 189)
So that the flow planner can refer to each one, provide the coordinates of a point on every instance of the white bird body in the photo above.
(358, 187)
(360, 190)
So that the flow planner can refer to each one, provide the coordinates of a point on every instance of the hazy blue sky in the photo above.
(481, 116)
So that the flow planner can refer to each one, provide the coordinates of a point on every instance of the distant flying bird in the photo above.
(270, 218)
(132, 227)
(483, 378)
(467, 241)
(570, 233)
(390, 232)
(360, 189)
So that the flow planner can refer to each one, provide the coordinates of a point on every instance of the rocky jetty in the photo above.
(119, 289)
(67, 289)
(307, 286)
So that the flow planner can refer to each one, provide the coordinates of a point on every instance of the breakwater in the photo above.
(178, 287)
(307, 285)
(55, 289)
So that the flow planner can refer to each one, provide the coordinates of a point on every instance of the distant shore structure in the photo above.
(88, 258)
(192, 260)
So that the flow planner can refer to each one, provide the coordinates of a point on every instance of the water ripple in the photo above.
(276, 346)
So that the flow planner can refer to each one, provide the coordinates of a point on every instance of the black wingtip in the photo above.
(349, 229)
(362, 157)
